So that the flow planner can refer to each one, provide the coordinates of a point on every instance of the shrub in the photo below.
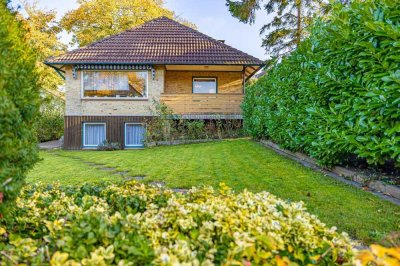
(109, 146)
(195, 129)
(18, 108)
(338, 94)
(378, 255)
(167, 126)
(50, 124)
(131, 224)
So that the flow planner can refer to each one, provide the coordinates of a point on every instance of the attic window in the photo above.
(204, 85)
(114, 84)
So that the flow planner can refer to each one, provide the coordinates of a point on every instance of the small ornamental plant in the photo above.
(133, 224)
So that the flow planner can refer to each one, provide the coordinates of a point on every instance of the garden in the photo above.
(227, 202)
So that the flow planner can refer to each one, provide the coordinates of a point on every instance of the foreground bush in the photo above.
(19, 97)
(337, 96)
(131, 224)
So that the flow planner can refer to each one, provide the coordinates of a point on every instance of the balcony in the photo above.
(204, 104)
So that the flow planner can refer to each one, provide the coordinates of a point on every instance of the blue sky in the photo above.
(211, 17)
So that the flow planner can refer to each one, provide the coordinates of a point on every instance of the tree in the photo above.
(19, 104)
(96, 19)
(286, 29)
(41, 29)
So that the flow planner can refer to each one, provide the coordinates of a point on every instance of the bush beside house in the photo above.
(18, 108)
(336, 96)
(167, 126)
(50, 124)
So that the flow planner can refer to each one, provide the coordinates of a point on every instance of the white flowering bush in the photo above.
(132, 224)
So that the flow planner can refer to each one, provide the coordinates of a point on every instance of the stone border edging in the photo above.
(348, 176)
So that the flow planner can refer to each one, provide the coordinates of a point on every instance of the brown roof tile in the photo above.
(159, 41)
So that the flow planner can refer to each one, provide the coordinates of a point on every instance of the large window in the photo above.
(93, 134)
(204, 85)
(134, 135)
(114, 84)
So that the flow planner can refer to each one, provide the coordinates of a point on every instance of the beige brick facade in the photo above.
(165, 82)
(77, 106)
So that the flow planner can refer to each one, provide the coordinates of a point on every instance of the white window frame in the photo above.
(133, 146)
(84, 131)
(216, 85)
(116, 98)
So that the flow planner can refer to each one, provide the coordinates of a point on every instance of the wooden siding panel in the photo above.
(114, 128)
(181, 81)
(204, 103)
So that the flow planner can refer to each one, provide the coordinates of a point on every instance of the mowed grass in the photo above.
(66, 171)
(241, 164)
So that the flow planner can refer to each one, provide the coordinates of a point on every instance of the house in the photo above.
(112, 83)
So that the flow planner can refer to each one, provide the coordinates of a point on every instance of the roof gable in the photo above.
(159, 41)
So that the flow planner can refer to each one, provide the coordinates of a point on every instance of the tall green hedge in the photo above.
(338, 94)
(18, 108)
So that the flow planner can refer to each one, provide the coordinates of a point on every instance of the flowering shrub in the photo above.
(378, 255)
(131, 224)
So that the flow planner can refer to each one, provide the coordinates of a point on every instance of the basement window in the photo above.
(93, 134)
(204, 85)
(134, 135)
(115, 84)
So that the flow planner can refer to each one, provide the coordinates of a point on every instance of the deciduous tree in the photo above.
(41, 30)
(96, 19)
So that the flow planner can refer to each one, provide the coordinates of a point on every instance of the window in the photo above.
(93, 134)
(134, 135)
(114, 84)
(204, 85)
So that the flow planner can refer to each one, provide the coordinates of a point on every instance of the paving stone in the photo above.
(122, 173)
(107, 168)
(49, 145)
(138, 178)
(393, 191)
(343, 171)
(180, 190)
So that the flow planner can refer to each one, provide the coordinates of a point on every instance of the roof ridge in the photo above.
(209, 37)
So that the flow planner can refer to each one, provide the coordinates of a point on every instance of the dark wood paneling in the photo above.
(114, 129)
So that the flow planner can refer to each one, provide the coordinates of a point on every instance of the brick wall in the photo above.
(75, 105)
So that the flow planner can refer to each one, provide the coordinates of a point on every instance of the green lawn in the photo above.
(240, 164)
(64, 170)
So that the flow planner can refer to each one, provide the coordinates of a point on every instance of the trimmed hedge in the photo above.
(18, 108)
(131, 224)
(338, 94)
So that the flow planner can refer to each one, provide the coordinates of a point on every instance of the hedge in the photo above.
(338, 95)
(18, 108)
(132, 224)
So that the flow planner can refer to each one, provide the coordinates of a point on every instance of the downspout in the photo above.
(243, 79)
